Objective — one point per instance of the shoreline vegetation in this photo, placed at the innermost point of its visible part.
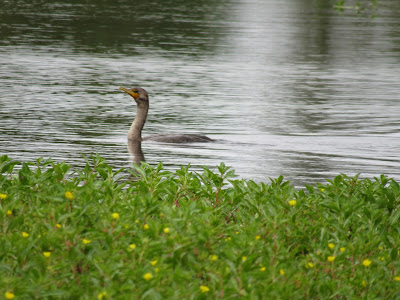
(97, 233)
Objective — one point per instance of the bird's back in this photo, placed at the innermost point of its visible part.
(178, 138)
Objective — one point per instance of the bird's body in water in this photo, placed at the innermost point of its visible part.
(135, 132)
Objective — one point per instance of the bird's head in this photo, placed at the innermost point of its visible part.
(140, 95)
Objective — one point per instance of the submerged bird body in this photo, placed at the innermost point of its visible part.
(135, 132)
(178, 138)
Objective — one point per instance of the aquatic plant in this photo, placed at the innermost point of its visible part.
(101, 233)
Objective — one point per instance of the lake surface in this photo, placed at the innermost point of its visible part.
(289, 88)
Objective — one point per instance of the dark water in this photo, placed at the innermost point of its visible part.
(289, 88)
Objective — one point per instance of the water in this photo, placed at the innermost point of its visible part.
(289, 88)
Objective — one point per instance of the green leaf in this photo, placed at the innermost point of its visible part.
(394, 218)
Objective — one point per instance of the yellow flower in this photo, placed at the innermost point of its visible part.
(69, 195)
(58, 225)
(147, 276)
(101, 295)
(309, 265)
(228, 239)
(86, 241)
(47, 254)
(237, 232)
(25, 234)
(146, 226)
(380, 248)
(9, 213)
(262, 269)
(9, 295)
(204, 289)
(153, 262)
(258, 237)
(126, 226)
(166, 230)
(367, 262)
(292, 202)
(281, 271)
(331, 246)
(115, 216)
(364, 284)
(331, 258)
(3, 196)
(214, 257)
(244, 258)
(137, 221)
(132, 246)
(321, 189)
(342, 249)
(397, 278)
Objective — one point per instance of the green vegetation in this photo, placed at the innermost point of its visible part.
(98, 233)
(356, 5)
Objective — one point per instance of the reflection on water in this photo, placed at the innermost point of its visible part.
(135, 149)
(285, 87)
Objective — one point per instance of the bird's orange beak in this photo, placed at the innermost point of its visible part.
(134, 94)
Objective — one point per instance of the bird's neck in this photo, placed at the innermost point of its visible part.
(135, 132)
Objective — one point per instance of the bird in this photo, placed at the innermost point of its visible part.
(141, 98)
